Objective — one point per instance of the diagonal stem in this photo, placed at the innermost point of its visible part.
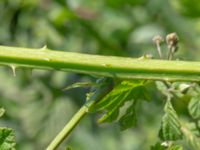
(99, 93)
(68, 128)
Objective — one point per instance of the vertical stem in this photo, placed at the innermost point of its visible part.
(172, 50)
(159, 50)
(170, 54)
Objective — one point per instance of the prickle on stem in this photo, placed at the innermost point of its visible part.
(13, 67)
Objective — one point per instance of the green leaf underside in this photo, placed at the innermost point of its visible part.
(7, 139)
(79, 85)
(170, 125)
(113, 102)
(2, 111)
(194, 107)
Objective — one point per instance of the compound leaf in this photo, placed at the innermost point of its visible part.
(170, 125)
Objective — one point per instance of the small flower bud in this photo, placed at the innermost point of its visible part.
(157, 39)
(172, 39)
(172, 42)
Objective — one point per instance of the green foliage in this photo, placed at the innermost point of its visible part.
(191, 139)
(129, 119)
(170, 126)
(190, 7)
(38, 108)
(7, 136)
(121, 3)
(175, 147)
(125, 91)
(7, 139)
(158, 146)
(194, 107)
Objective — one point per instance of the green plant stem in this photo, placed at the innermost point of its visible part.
(68, 128)
(107, 66)
(99, 93)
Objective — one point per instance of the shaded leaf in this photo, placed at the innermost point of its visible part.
(194, 107)
(123, 92)
(7, 139)
(129, 119)
(170, 126)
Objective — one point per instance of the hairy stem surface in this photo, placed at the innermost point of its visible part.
(107, 66)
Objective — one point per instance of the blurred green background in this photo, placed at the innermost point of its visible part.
(37, 107)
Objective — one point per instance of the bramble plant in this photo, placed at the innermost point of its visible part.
(122, 86)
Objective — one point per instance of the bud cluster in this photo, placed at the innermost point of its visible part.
(172, 44)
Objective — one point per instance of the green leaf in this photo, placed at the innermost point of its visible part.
(113, 108)
(175, 147)
(79, 85)
(129, 119)
(158, 146)
(191, 139)
(123, 92)
(194, 107)
(170, 126)
(2, 111)
(7, 139)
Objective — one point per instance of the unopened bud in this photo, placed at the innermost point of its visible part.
(157, 39)
(172, 39)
